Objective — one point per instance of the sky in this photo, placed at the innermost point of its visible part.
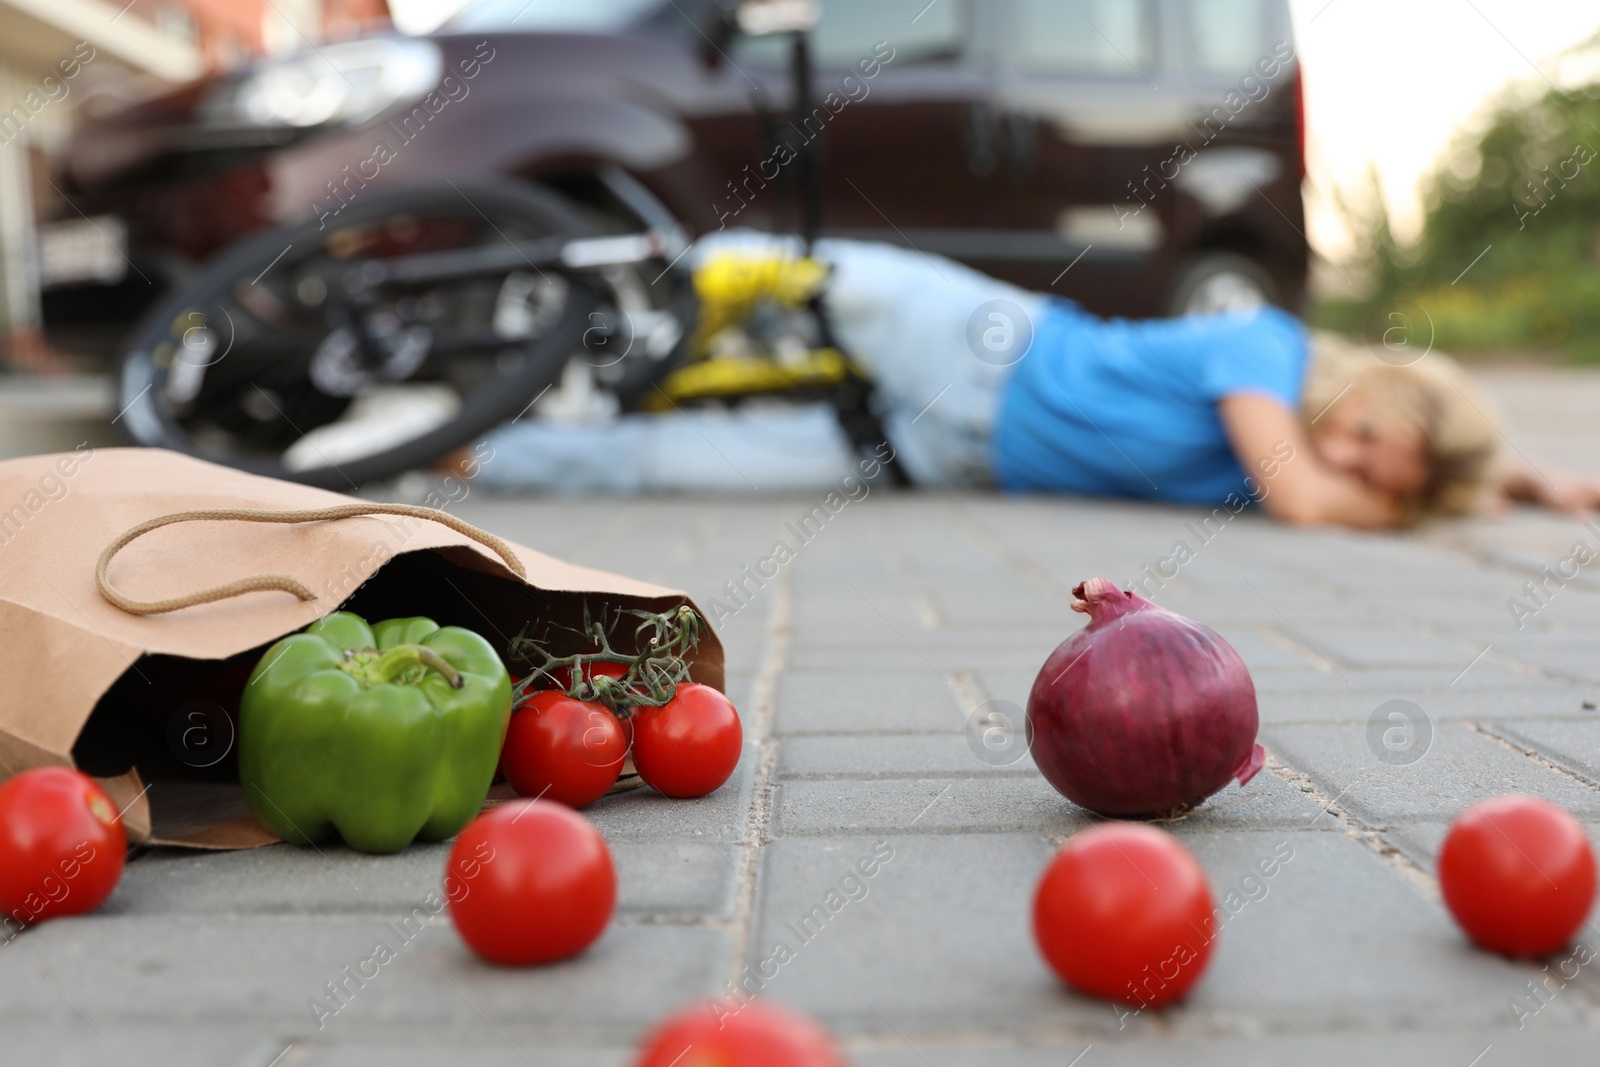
(1388, 84)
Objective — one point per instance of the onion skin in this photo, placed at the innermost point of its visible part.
(1142, 712)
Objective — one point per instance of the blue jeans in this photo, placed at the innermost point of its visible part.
(939, 340)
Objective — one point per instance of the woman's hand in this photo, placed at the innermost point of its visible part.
(1552, 490)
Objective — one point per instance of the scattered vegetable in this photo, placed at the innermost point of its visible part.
(541, 885)
(62, 845)
(1518, 875)
(1124, 912)
(684, 737)
(757, 1035)
(563, 749)
(1143, 711)
(690, 746)
(383, 733)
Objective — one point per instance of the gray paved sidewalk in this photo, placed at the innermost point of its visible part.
(856, 671)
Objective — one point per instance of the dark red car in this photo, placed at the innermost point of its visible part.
(1141, 156)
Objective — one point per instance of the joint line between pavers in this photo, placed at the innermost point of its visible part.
(1532, 755)
(1403, 866)
(971, 529)
(1422, 626)
(763, 701)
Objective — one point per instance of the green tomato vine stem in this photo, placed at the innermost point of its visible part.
(650, 677)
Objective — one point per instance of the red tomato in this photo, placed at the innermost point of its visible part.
(62, 845)
(1518, 874)
(1124, 912)
(563, 749)
(689, 746)
(530, 882)
(757, 1035)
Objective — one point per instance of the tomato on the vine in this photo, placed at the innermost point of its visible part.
(1123, 911)
(530, 882)
(757, 1035)
(62, 845)
(563, 749)
(689, 746)
(1518, 875)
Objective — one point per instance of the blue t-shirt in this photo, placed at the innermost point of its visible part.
(1113, 407)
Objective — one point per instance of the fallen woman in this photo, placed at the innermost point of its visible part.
(983, 384)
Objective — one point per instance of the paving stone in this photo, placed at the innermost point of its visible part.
(938, 805)
(991, 805)
(212, 970)
(936, 638)
(910, 654)
(1572, 743)
(1484, 610)
(862, 604)
(868, 702)
(1444, 1048)
(1380, 647)
(79, 1042)
(1421, 839)
(1270, 645)
(1397, 959)
(1484, 676)
(278, 880)
(1577, 613)
(1351, 705)
(645, 815)
(979, 606)
(654, 878)
(903, 756)
(939, 938)
(1567, 656)
(1459, 768)
(515, 1050)
(1216, 609)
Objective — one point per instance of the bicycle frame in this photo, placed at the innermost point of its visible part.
(826, 372)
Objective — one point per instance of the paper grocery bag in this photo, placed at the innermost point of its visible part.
(146, 701)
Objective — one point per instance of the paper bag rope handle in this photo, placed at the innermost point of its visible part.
(281, 582)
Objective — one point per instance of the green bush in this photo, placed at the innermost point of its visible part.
(1527, 189)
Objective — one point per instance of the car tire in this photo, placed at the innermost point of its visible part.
(1221, 281)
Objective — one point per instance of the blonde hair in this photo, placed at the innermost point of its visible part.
(1432, 394)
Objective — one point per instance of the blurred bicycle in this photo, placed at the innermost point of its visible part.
(341, 354)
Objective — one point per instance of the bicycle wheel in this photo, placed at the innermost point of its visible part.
(281, 361)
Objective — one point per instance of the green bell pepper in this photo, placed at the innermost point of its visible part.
(383, 733)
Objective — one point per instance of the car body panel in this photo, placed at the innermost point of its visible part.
(1056, 179)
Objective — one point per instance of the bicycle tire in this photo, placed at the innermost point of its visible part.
(144, 421)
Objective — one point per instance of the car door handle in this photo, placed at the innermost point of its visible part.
(992, 135)
(1021, 143)
(982, 140)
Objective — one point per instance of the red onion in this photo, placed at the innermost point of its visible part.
(1143, 711)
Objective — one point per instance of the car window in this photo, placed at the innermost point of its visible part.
(1112, 38)
(850, 30)
(553, 16)
(1229, 35)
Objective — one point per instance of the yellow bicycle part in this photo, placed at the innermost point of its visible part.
(722, 378)
(729, 284)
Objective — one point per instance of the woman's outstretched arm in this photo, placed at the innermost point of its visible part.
(1301, 490)
(1552, 489)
